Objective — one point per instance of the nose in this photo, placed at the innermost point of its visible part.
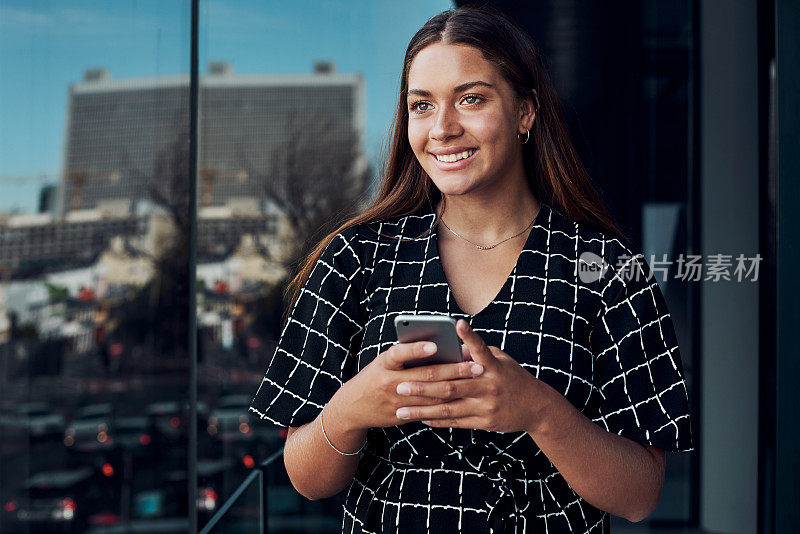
(445, 125)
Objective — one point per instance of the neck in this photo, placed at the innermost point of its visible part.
(489, 217)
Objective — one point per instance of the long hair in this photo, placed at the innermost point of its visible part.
(552, 166)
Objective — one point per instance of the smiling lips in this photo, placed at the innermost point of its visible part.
(454, 159)
(451, 158)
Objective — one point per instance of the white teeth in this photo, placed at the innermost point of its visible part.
(450, 158)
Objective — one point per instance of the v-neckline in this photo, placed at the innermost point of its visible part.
(530, 244)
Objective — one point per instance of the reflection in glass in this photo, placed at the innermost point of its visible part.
(93, 264)
(280, 155)
(295, 101)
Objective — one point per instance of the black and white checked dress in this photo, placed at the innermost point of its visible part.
(607, 345)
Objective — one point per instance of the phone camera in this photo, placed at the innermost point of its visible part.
(405, 323)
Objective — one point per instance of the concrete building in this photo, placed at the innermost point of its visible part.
(32, 244)
(122, 135)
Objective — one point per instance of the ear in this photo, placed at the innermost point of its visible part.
(527, 111)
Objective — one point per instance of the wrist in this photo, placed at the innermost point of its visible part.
(339, 421)
(334, 447)
(540, 408)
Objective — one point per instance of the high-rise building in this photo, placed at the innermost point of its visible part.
(123, 136)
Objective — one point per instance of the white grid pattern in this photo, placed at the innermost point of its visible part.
(608, 346)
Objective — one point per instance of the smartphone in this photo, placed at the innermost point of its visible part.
(440, 329)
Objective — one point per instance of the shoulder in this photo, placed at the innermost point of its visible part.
(408, 225)
(384, 234)
(341, 257)
(588, 237)
(601, 257)
(360, 244)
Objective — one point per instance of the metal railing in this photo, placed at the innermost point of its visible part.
(266, 502)
(256, 477)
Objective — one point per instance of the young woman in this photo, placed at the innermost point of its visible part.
(572, 386)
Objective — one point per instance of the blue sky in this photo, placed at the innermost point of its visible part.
(46, 45)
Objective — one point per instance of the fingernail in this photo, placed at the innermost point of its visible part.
(425, 422)
(403, 413)
(429, 348)
(477, 369)
(403, 389)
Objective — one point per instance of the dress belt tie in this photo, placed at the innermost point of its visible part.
(504, 505)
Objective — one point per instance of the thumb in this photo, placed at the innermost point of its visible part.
(475, 345)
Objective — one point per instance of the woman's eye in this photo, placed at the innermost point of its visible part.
(419, 107)
(472, 99)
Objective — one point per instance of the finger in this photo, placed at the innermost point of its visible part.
(465, 355)
(477, 348)
(461, 422)
(397, 355)
(448, 410)
(414, 400)
(440, 371)
(447, 389)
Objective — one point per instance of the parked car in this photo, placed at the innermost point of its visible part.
(171, 418)
(169, 497)
(60, 501)
(136, 435)
(230, 420)
(34, 419)
(88, 430)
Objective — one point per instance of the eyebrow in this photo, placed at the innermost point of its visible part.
(456, 89)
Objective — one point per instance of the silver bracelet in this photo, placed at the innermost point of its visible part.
(331, 444)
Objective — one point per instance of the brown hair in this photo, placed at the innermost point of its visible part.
(552, 166)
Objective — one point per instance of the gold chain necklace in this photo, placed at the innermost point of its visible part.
(482, 247)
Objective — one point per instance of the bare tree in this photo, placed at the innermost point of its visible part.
(167, 187)
(316, 177)
(157, 316)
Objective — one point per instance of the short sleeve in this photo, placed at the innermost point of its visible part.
(315, 348)
(637, 364)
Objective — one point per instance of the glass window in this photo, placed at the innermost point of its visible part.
(296, 100)
(94, 123)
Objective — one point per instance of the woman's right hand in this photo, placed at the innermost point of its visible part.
(367, 400)
(371, 396)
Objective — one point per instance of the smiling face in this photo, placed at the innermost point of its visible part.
(463, 119)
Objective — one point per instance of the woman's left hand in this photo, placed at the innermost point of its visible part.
(504, 397)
